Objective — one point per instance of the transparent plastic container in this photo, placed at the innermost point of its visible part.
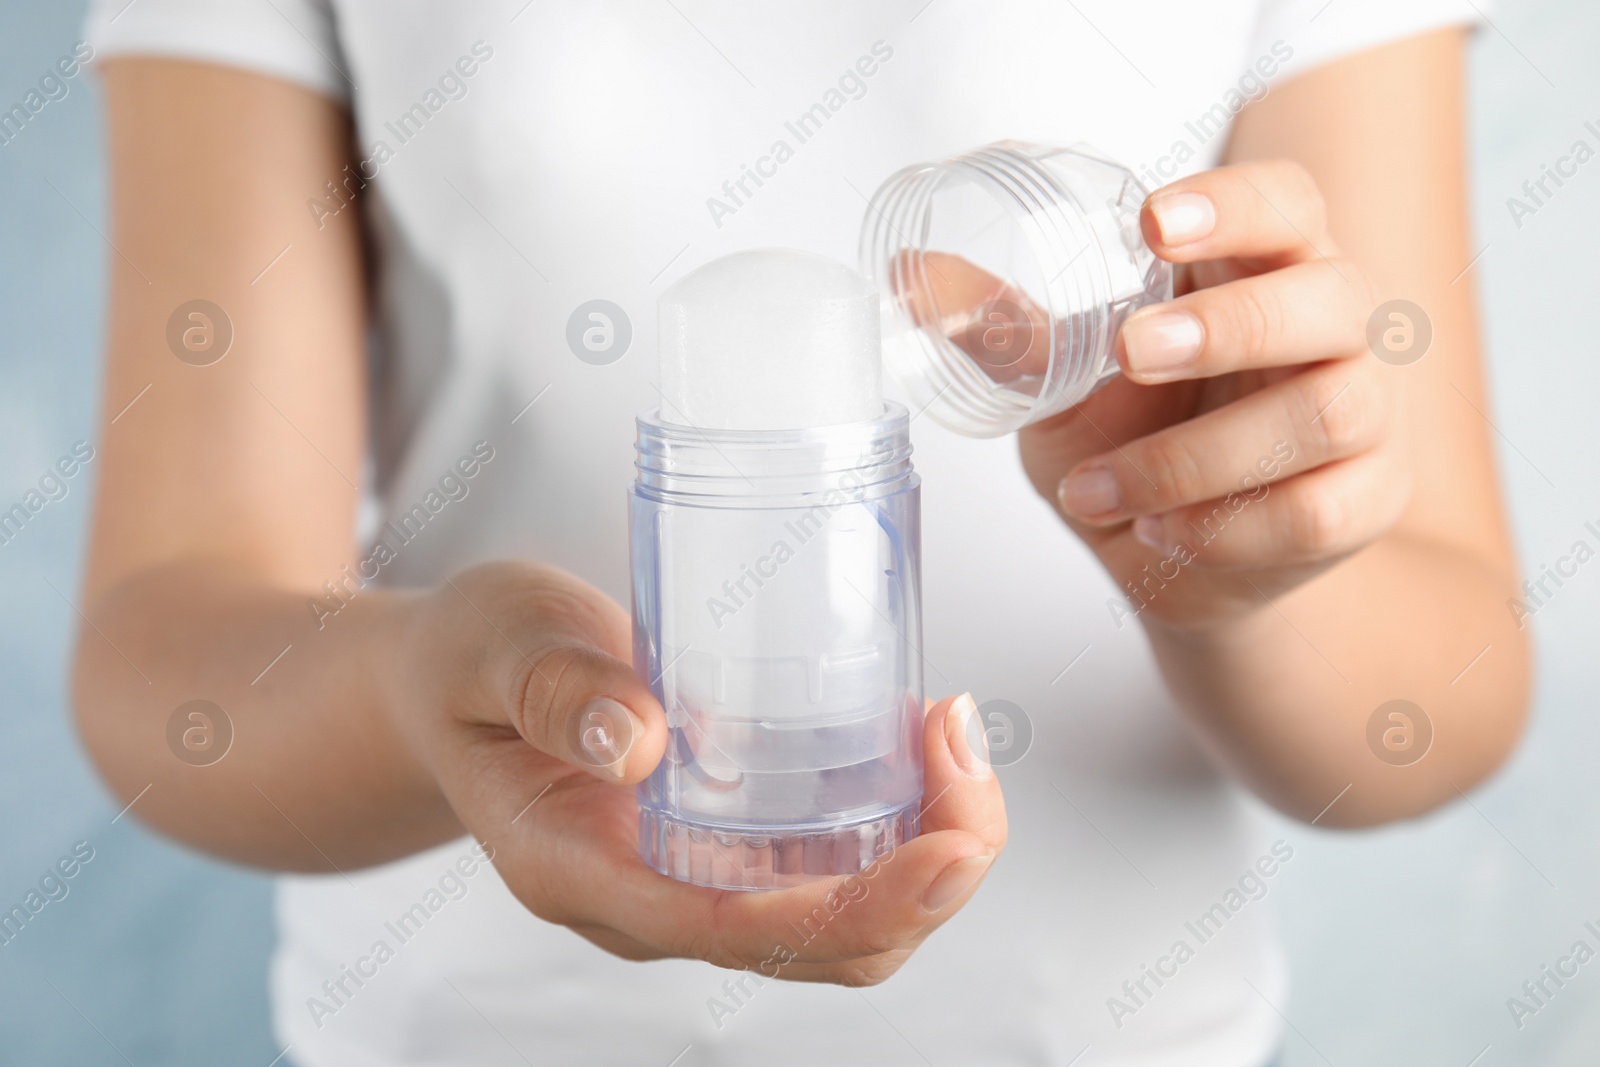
(777, 604)
(777, 617)
(1057, 229)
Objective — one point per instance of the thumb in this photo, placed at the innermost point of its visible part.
(563, 684)
(585, 707)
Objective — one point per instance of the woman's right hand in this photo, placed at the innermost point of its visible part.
(224, 501)
(513, 688)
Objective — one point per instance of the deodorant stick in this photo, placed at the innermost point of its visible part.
(776, 580)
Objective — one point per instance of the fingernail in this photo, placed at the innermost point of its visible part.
(1089, 492)
(605, 732)
(1159, 343)
(955, 880)
(1147, 530)
(957, 734)
(1183, 218)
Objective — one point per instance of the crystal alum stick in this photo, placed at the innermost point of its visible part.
(776, 580)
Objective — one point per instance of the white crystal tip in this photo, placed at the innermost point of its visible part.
(770, 339)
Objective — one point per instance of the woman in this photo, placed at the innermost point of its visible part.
(465, 179)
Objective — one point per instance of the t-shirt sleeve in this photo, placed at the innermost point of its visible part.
(1323, 30)
(296, 40)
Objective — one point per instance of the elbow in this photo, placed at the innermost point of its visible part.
(1415, 761)
(101, 707)
(1384, 796)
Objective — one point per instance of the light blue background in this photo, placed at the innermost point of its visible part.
(1406, 942)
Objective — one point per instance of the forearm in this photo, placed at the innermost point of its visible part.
(1282, 696)
(317, 777)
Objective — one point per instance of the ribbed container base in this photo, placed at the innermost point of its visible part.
(722, 859)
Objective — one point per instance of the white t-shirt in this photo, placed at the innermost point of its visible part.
(530, 157)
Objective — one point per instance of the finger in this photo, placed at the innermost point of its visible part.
(885, 907)
(1270, 209)
(554, 662)
(1328, 412)
(1312, 518)
(960, 790)
(856, 973)
(961, 799)
(855, 929)
(888, 907)
(1302, 313)
(587, 708)
(1005, 332)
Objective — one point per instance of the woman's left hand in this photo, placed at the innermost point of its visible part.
(1250, 443)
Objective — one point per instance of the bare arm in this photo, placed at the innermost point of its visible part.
(226, 500)
(1383, 135)
(226, 494)
(1380, 566)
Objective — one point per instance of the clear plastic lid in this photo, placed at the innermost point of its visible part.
(1005, 274)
